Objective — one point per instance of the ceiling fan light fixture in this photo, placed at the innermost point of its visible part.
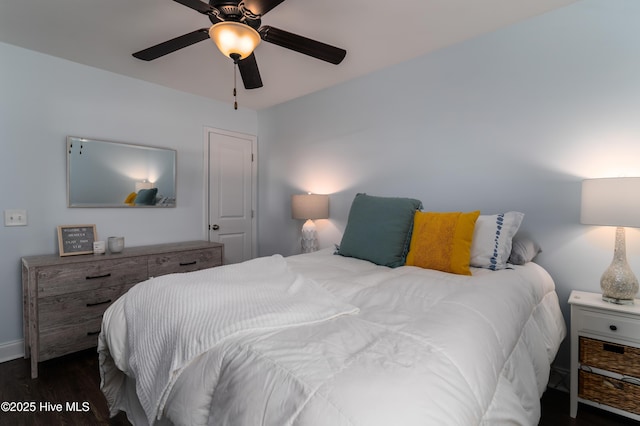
(234, 38)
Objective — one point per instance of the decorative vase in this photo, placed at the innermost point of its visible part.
(116, 244)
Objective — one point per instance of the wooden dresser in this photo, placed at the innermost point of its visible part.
(64, 297)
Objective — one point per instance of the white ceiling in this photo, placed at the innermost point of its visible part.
(104, 34)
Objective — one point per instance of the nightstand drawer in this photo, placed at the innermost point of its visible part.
(61, 279)
(608, 391)
(186, 261)
(609, 356)
(615, 326)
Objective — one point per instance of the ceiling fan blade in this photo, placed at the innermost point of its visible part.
(260, 7)
(197, 5)
(154, 52)
(302, 44)
(249, 71)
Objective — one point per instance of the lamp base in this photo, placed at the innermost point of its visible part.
(309, 237)
(618, 283)
(618, 301)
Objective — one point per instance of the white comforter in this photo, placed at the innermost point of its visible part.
(426, 348)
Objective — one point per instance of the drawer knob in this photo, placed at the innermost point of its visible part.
(613, 328)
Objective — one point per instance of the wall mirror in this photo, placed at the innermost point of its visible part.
(113, 174)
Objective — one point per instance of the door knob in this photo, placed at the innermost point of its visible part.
(215, 227)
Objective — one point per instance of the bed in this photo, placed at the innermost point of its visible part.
(334, 339)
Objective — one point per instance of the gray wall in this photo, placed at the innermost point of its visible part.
(513, 120)
(44, 99)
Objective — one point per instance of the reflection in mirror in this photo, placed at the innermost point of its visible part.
(113, 174)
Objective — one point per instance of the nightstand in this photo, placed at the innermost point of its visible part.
(605, 354)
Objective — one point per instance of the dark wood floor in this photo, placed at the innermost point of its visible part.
(555, 412)
(75, 378)
(69, 379)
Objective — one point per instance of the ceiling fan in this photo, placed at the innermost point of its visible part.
(237, 30)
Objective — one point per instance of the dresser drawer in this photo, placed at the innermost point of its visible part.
(605, 390)
(609, 356)
(186, 261)
(614, 326)
(70, 338)
(77, 308)
(61, 279)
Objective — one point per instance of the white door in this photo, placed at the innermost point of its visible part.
(232, 183)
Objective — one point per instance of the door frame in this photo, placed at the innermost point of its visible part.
(254, 182)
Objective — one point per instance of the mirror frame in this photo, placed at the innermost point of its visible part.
(69, 143)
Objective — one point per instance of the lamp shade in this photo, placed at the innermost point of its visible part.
(234, 38)
(310, 206)
(611, 202)
(144, 184)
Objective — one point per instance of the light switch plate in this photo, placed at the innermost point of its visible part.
(15, 217)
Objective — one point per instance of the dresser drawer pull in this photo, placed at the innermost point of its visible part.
(613, 328)
(98, 303)
(93, 333)
(189, 263)
(613, 348)
(99, 276)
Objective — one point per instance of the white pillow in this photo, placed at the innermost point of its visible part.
(492, 237)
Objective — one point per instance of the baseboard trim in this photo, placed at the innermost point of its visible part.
(11, 350)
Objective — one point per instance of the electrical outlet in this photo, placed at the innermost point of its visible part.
(15, 218)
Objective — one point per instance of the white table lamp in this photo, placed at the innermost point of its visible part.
(614, 202)
(309, 207)
(143, 184)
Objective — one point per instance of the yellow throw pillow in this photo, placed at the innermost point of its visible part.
(130, 198)
(442, 241)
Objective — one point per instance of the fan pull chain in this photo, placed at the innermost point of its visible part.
(235, 92)
(235, 58)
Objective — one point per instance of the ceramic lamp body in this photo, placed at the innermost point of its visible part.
(309, 237)
(619, 284)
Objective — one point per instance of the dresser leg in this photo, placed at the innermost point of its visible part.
(34, 368)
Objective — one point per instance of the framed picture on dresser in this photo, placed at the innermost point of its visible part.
(76, 239)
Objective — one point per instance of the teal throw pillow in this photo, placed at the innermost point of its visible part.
(146, 197)
(379, 229)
